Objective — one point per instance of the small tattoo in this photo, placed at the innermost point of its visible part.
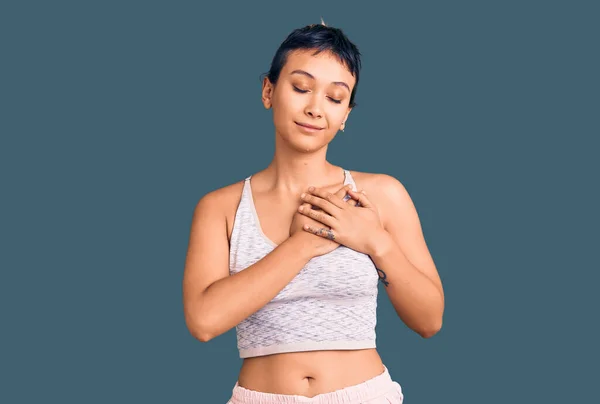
(383, 279)
(328, 233)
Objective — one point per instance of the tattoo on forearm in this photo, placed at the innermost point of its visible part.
(383, 279)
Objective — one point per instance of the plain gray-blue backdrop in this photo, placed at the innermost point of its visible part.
(116, 117)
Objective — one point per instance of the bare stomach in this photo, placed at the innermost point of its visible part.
(309, 373)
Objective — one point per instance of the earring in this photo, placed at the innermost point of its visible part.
(343, 126)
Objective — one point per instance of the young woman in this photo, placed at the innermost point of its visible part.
(291, 255)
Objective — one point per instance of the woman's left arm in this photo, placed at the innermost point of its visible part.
(401, 255)
(387, 228)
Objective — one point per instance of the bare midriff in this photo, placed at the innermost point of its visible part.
(309, 373)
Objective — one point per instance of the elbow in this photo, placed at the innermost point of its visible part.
(203, 337)
(432, 326)
(431, 330)
(199, 319)
(200, 333)
(198, 329)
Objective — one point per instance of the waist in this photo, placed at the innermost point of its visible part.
(309, 373)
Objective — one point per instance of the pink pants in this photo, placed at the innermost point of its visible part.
(378, 390)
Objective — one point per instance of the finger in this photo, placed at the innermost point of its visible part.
(308, 206)
(351, 201)
(325, 200)
(343, 194)
(320, 231)
(361, 197)
(318, 215)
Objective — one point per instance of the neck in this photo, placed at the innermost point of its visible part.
(292, 171)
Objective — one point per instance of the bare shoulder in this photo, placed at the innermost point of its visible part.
(224, 196)
(373, 180)
(222, 201)
(386, 192)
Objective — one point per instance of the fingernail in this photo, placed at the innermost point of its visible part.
(311, 188)
(303, 195)
(301, 208)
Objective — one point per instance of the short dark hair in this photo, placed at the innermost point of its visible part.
(321, 38)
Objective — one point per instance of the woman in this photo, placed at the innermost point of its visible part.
(291, 256)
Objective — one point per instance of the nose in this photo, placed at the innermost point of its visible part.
(313, 108)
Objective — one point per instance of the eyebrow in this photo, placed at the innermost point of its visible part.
(307, 74)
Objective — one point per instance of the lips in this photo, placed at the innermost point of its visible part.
(308, 126)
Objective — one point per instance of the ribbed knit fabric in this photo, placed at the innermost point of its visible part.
(330, 304)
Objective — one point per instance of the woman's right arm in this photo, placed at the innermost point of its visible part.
(214, 302)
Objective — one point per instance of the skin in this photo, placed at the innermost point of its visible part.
(386, 226)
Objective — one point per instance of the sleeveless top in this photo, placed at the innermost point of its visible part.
(329, 305)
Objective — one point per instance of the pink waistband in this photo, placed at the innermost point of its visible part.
(371, 389)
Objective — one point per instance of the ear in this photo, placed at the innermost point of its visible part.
(347, 113)
(267, 93)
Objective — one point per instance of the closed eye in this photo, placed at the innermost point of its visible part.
(299, 91)
(306, 91)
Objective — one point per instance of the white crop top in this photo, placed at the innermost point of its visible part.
(329, 305)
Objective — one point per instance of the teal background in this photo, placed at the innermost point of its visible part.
(116, 117)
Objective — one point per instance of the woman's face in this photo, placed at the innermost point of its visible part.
(311, 90)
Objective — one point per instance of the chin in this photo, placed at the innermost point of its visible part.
(307, 147)
(303, 142)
